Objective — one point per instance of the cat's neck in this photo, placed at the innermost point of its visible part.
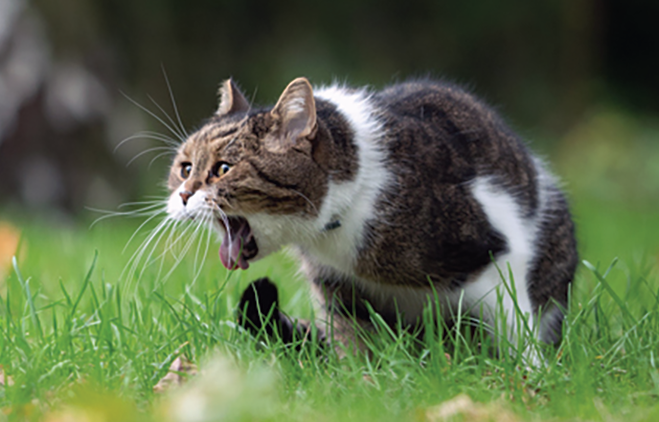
(350, 204)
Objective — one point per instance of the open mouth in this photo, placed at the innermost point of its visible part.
(238, 244)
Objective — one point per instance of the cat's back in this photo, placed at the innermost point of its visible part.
(424, 98)
(407, 97)
(452, 111)
(442, 133)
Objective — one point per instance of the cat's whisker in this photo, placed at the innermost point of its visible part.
(152, 209)
(234, 139)
(200, 225)
(155, 242)
(306, 199)
(178, 255)
(156, 197)
(169, 151)
(181, 133)
(136, 256)
(131, 267)
(149, 135)
(188, 232)
(162, 154)
(148, 261)
(185, 250)
(218, 205)
(141, 212)
(225, 220)
(198, 230)
(140, 228)
(131, 215)
(170, 243)
(161, 257)
(160, 137)
(131, 204)
(173, 241)
(199, 266)
(171, 228)
(155, 116)
(209, 233)
(171, 96)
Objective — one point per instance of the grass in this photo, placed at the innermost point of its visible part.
(77, 344)
(71, 338)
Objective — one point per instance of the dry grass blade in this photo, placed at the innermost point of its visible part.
(462, 408)
(5, 380)
(179, 371)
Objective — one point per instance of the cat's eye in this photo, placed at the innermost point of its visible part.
(220, 169)
(186, 168)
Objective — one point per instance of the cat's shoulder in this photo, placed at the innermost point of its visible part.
(413, 97)
(423, 86)
(418, 92)
(420, 87)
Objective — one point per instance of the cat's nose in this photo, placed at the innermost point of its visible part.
(185, 195)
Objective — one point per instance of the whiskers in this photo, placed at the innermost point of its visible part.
(175, 127)
(225, 221)
(165, 241)
(165, 246)
(149, 209)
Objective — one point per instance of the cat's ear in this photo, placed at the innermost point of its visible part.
(231, 99)
(295, 112)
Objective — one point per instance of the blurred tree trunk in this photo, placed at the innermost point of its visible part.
(53, 149)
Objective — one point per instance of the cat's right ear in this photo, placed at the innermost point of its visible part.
(295, 113)
(231, 99)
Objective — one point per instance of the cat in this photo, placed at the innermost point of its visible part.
(392, 199)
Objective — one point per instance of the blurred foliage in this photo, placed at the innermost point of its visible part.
(620, 152)
(516, 53)
(548, 65)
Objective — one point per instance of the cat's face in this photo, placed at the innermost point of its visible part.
(251, 175)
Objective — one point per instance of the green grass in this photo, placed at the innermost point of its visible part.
(71, 338)
(79, 344)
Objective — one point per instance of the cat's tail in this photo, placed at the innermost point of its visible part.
(259, 313)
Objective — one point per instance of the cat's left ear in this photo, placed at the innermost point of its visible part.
(296, 112)
(231, 99)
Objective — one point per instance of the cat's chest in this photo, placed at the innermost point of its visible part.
(336, 249)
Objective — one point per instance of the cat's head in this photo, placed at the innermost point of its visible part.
(254, 175)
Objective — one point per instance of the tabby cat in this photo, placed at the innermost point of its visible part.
(395, 199)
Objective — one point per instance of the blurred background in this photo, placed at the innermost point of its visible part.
(579, 79)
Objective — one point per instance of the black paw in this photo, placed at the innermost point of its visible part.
(258, 310)
(259, 313)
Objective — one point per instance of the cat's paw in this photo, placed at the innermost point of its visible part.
(259, 314)
(258, 310)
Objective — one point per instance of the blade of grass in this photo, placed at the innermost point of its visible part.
(30, 300)
(85, 283)
(602, 279)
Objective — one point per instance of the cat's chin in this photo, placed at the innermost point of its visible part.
(239, 244)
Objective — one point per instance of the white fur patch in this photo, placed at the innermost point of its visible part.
(352, 202)
(196, 206)
(487, 290)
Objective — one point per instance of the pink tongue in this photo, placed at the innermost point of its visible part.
(230, 254)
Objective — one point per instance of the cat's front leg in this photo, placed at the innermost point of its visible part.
(341, 323)
(260, 314)
(344, 318)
